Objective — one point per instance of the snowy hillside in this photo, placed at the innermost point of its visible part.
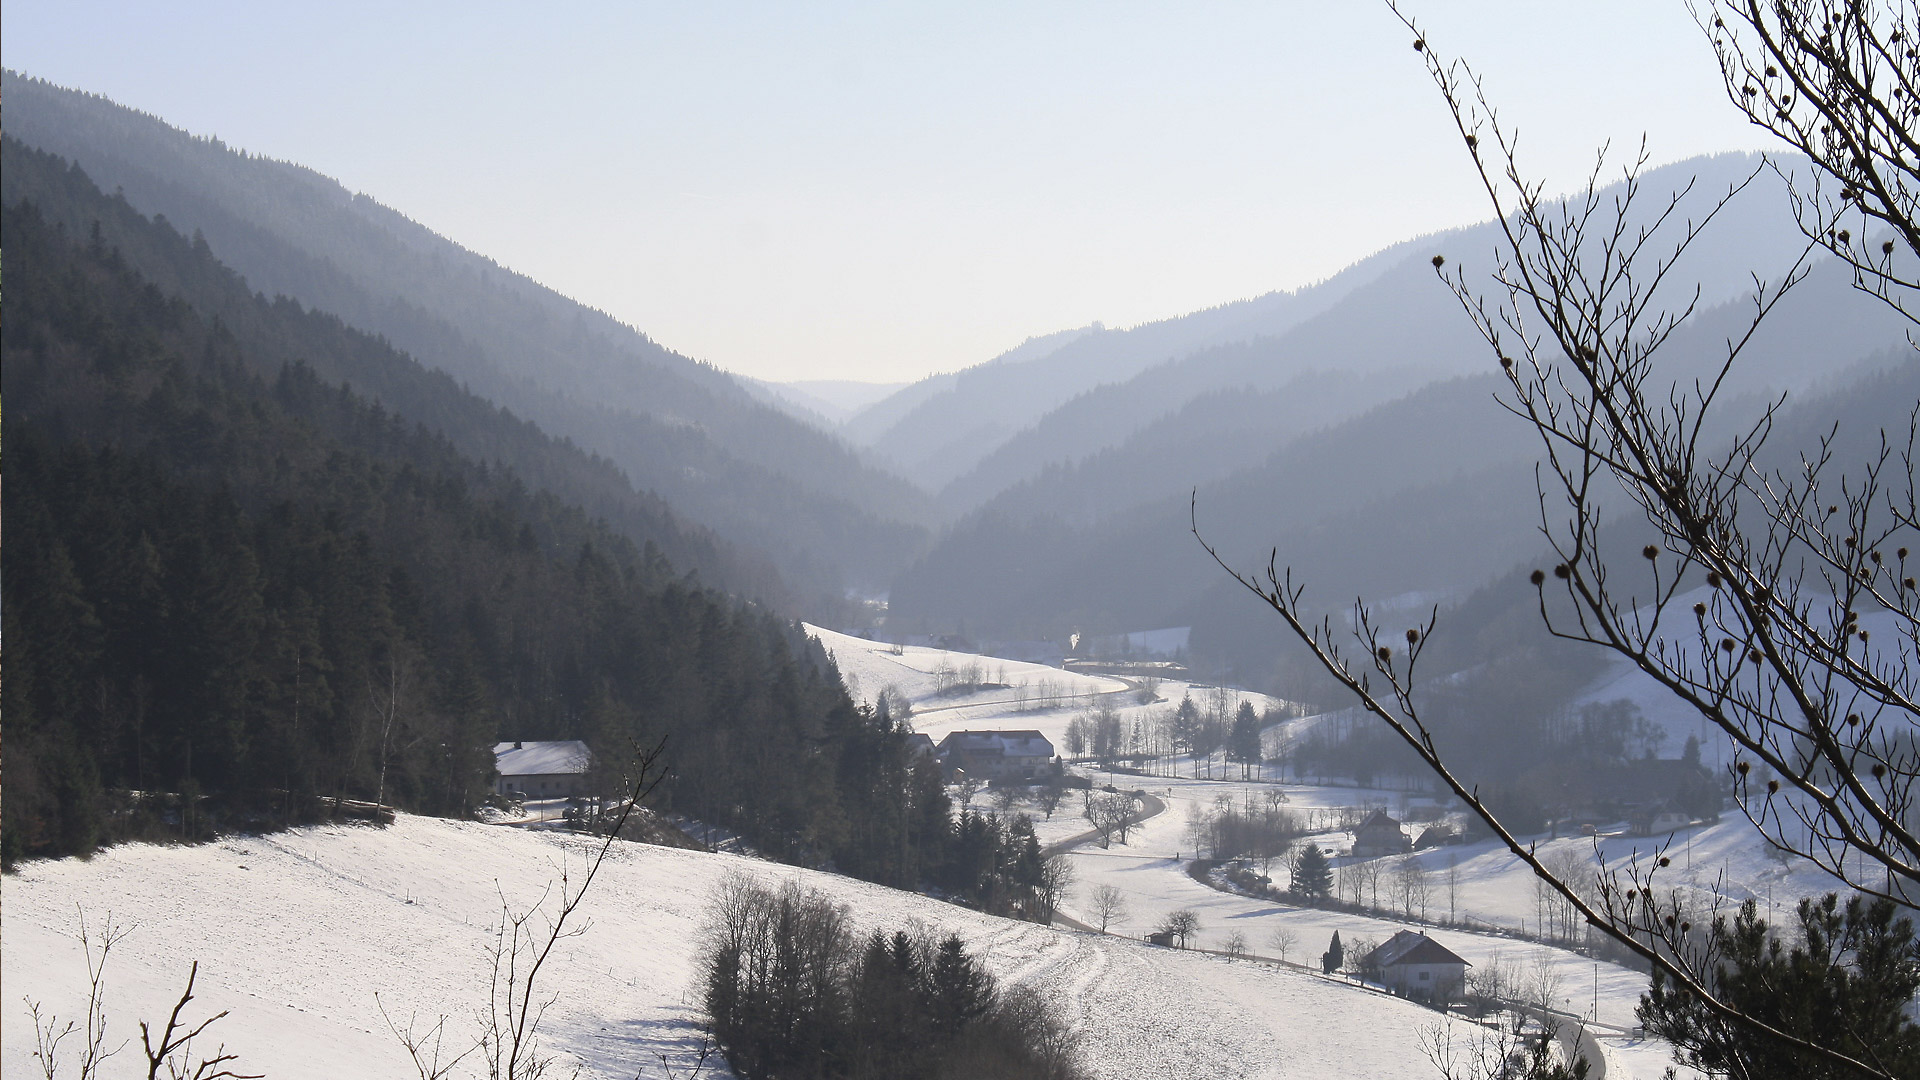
(296, 934)
(872, 666)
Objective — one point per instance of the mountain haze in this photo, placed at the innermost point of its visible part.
(1361, 445)
(681, 428)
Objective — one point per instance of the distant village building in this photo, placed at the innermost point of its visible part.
(998, 755)
(1379, 835)
(1414, 965)
(1167, 644)
(1436, 836)
(541, 770)
(920, 746)
(1657, 820)
(1031, 652)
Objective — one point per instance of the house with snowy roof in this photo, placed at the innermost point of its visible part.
(541, 770)
(1379, 835)
(1414, 965)
(998, 755)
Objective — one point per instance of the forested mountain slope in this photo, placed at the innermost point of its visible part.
(1019, 569)
(281, 331)
(677, 427)
(959, 419)
(1392, 325)
(1082, 520)
(235, 582)
(1425, 498)
(975, 433)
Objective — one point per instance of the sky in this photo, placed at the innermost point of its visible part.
(878, 192)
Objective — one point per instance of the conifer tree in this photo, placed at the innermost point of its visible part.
(1312, 875)
(1847, 984)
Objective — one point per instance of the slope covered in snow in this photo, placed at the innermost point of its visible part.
(305, 935)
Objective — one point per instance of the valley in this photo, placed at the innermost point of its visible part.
(1466, 640)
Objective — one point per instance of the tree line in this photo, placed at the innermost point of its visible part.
(237, 591)
(791, 990)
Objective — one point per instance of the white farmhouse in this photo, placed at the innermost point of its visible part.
(541, 770)
(1414, 965)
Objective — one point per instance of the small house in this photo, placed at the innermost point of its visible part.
(1379, 835)
(998, 755)
(1657, 820)
(541, 770)
(1414, 965)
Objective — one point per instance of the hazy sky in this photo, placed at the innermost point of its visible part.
(879, 191)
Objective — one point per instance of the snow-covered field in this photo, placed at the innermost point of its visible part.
(297, 933)
(1722, 864)
(871, 666)
(305, 935)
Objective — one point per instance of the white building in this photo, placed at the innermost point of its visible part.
(541, 770)
(1414, 965)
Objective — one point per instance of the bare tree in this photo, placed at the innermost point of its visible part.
(1235, 946)
(173, 1050)
(1183, 925)
(1049, 794)
(1283, 938)
(1834, 80)
(388, 703)
(1366, 876)
(965, 789)
(1056, 876)
(1471, 1051)
(523, 942)
(1111, 812)
(1749, 608)
(49, 1033)
(1107, 905)
(1412, 888)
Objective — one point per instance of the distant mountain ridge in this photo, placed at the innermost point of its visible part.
(681, 428)
(957, 420)
(1364, 444)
